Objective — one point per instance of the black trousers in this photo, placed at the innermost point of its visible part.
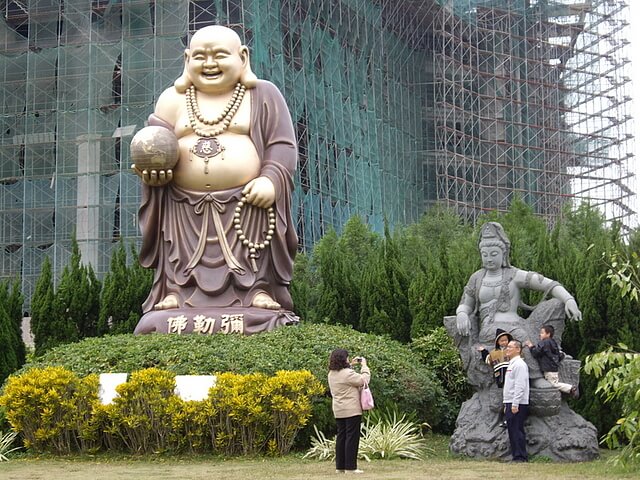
(347, 442)
(517, 436)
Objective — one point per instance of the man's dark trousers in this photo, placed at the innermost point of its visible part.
(515, 427)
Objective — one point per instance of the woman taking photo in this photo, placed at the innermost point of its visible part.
(345, 384)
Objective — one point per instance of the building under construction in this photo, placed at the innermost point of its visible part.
(397, 105)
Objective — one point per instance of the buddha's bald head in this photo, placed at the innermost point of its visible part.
(216, 33)
(215, 38)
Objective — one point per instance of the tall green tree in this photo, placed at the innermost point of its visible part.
(8, 358)
(77, 299)
(12, 352)
(357, 247)
(333, 280)
(140, 282)
(385, 306)
(120, 302)
(13, 301)
(114, 305)
(439, 254)
(43, 323)
(302, 291)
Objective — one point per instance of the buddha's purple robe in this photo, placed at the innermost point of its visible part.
(181, 240)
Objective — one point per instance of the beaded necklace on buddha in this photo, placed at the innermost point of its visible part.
(207, 145)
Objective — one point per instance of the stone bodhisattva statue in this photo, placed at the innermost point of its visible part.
(217, 227)
(490, 302)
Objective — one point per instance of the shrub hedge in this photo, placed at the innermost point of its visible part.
(57, 411)
(438, 352)
(398, 379)
(50, 408)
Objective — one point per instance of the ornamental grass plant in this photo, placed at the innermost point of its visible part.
(6, 442)
(388, 435)
(383, 435)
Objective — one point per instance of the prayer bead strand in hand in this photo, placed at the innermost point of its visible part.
(253, 245)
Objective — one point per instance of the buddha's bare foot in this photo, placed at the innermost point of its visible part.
(169, 302)
(262, 300)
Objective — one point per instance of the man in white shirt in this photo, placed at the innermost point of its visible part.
(515, 397)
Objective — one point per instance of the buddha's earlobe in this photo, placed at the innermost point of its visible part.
(247, 78)
(183, 82)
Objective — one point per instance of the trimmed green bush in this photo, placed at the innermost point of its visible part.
(397, 377)
(438, 352)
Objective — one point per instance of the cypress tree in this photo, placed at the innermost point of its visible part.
(440, 253)
(385, 307)
(13, 300)
(356, 249)
(330, 265)
(8, 358)
(139, 286)
(12, 350)
(419, 302)
(115, 298)
(77, 299)
(302, 286)
(43, 323)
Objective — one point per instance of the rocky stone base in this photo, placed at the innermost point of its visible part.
(565, 436)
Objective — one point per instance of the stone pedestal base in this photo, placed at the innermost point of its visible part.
(565, 436)
(213, 320)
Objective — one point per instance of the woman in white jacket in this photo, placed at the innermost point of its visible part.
(345, 384)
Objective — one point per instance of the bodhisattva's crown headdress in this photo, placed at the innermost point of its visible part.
(492, 234)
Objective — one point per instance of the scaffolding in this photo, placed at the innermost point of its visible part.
(396, 107)
(532, 98)
(81, 76)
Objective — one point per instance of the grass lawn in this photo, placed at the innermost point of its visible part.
(440, 464)
(292, 467)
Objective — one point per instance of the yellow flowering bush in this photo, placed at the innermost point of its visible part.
(192, 425)
(257, 413)
(243, 420)
(49, 407)
(288, 396)
(56, 411)
(140, 415)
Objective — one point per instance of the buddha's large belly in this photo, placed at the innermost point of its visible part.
(202, 167)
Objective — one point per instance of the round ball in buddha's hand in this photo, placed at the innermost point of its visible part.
(155, 148)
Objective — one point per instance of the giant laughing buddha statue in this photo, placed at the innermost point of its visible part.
(217, 226)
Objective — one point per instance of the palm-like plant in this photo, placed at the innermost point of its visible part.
(322, 448)
(382, 435)
(6, 440)
(387, 436)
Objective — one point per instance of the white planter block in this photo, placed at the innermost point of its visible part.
(194, 387)
(108, 383)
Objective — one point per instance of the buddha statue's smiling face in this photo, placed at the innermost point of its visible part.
(492, 257)
(216, 60)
